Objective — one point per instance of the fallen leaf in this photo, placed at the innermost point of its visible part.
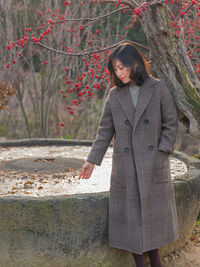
(11, 192)
(29, 182)
(40, 187)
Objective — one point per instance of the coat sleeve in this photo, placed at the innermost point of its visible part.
(104, 135)
(169, 120)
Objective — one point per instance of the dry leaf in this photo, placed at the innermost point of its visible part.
(11, 192)
(40, 187)
(29, 182)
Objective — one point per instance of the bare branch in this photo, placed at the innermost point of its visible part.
(127, 3)
(134, 4)
(88, 52)
(179, 15)
(93, 19)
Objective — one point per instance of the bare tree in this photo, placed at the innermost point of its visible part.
(172, 47)
(42, 78)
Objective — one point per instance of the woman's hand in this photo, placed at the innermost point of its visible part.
(87, 170)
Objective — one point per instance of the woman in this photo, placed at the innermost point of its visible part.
(141, 115)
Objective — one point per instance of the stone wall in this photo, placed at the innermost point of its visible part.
(71, 231)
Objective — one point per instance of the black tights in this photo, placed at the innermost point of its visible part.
(153, 256)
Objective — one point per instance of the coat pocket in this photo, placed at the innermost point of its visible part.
(118, 173)
(161, 170)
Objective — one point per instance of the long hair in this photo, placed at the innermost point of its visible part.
(129, 57)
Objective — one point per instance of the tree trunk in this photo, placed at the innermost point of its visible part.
(167, 53)
(20, 98)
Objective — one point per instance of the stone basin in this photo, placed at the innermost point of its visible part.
(53, 170)
(71, 229)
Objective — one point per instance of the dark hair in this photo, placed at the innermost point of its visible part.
(130, 57)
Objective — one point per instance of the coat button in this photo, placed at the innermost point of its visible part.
(146, 121)
(127, 122)
(126, 149)
(151, 147)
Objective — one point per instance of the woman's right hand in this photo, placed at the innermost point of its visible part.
(87, 170)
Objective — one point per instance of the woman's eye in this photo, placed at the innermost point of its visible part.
(119, 68)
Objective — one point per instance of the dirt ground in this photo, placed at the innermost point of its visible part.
(189, 256)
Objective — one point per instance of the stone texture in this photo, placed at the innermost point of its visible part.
(47, 164)
(51, 231)
(71, 231)
(185, 142)
(45, 142)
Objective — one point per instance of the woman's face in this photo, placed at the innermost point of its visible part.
(122, 72)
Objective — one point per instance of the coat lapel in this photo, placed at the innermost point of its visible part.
(126, 103)
(125, 100)
(145, 94)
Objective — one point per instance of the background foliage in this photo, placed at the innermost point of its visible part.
(40, 105)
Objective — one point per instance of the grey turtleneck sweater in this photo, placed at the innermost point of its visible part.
(134, 90)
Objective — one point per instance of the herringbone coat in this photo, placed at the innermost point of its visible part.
(142, 210)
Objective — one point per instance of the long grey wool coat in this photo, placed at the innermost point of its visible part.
(142, 210)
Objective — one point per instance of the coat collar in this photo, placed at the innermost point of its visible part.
(124, 98)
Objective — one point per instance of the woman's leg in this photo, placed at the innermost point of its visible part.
(154, 258)
(139, 260)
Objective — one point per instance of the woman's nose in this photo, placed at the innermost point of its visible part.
(119, 73)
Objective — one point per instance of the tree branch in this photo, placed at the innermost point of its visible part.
(127, 3)
(179, 15)
(93, 19)
(88, 52)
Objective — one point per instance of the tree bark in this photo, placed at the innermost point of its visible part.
(167, 53)
(20, 98)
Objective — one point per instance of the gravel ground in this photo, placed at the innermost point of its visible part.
(189, 256)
